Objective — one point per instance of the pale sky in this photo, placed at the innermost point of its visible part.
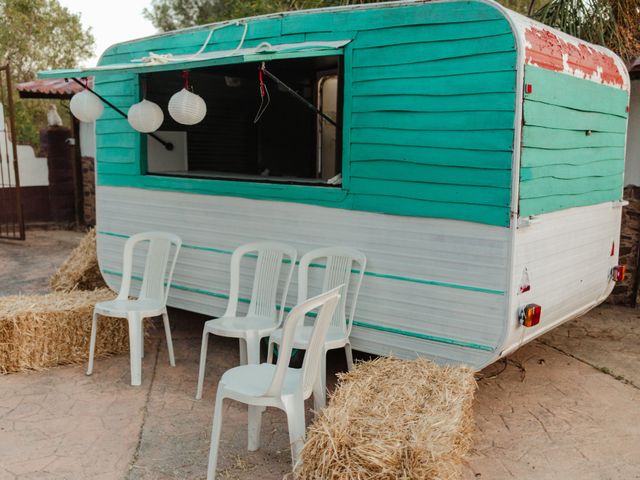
(111, 21)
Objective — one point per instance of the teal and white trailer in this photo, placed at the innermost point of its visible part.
(477, 161)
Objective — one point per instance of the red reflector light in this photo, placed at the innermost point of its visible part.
(528, 88)
(617, 273)
(530, 315)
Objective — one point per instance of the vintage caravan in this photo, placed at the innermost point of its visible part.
(474, 155)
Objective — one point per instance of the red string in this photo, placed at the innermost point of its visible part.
(261, 84)
(185, 76)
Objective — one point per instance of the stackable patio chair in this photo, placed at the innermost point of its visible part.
(267, 385)
(342, 266)
(274, 263)
(161, 256)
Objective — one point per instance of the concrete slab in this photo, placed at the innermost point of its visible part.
(551, 416)
(608, 338)
(25, 266)
(63, 425)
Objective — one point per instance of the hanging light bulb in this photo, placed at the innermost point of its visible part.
(186, 107)
(86, 106)
(145, 116)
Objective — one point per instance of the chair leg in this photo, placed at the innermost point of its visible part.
(323, 372)
(141, 337)
(294, 409)
(167, 333)
(92, 343)
(215, 436)
(253, 350)
(243, 351)
(255, 424)
(134, 349)
(349, 355)
(270, 351)
(319, 396)
(203, 363)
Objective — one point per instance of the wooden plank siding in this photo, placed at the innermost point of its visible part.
(573, 142)
(429, 108)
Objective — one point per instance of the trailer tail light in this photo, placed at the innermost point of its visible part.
(617, 273)
(530, 315)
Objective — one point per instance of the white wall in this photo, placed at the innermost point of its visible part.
(33, 170)
(88, 139)
(159, 159)
(632, 161)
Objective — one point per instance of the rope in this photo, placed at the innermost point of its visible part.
(162, 59)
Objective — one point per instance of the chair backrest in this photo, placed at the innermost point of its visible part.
(326, 304)
(341, 263)
(270, 257)
(160, 263)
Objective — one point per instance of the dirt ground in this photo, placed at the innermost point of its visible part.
(564, 407)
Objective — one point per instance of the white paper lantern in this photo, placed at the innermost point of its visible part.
(187, 108)
(86, 107)
(145, 116)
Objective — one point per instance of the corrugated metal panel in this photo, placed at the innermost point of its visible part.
(433, 280)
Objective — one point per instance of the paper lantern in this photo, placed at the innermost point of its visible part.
(145, 116)
(187, 108)
(86, 106)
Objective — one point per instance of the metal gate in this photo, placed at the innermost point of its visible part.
(11, 219)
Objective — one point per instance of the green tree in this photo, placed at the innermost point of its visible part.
(39, 35)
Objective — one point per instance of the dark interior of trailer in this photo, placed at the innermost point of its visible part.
(289, 142)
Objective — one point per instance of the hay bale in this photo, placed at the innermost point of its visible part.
(393, 419)
(42, 331)
(80, 270)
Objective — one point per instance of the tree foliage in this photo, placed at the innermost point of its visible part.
(39, 35)
(173, 14)
(612, 23)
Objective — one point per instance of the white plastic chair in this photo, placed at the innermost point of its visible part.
(262, 317)
(152, 301)
(267, 385)
(338, 269)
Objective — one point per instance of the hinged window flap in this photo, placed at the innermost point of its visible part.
(161, 62)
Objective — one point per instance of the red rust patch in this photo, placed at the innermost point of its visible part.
(546, 50)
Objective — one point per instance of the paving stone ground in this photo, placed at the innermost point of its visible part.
(564, 407)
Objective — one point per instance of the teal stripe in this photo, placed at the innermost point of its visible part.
(424, 336)
(432, 282)
(388, 276)
(356, 323)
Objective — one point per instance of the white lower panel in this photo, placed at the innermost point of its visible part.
(433, 287)
(567, 255)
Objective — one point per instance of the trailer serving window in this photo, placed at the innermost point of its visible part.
(282, 133)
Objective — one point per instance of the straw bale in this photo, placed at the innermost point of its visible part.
(41, 331)
(392, 419)
(80, 270)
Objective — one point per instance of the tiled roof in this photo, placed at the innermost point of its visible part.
(49, 88)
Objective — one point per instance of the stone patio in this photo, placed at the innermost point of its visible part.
(564, 407)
